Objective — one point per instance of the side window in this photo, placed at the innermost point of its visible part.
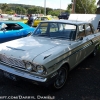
(98, 28)
(45, 18)
(88, 29)
(67, 30)
(43, 28)
(11, 26)
(81, 32)
(61, 27)
(42, 18)
(38, 18)
(53, 27)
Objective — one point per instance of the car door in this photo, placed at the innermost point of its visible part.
(89, 37)
(6, 35)
(80, 43)
(16, 30)
(77, 46)
(12, 31)
(37, 21)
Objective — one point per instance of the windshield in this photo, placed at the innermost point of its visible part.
(56, 30)
(3, 25)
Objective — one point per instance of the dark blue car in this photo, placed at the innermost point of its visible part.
(10, 30)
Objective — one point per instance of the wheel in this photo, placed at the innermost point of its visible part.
(94, 53)
(61, 79)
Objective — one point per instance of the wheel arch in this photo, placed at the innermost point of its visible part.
(66, 64)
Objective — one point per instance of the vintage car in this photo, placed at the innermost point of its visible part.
(39, 19)
(10, 30)
(47, 56)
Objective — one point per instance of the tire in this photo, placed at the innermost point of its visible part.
(61, 78)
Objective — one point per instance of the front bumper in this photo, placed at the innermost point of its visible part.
(24, 75)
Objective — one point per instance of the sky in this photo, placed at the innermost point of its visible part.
(54, 4)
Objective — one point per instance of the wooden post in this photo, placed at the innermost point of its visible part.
(73, 6)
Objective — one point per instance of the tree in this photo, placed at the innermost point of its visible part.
(27, 9)
(85, 6)
(0, 11)
(69, 8)
(32, 10)
(18, 10)
(55, 12)
(98, 9)
(98, 3)
(48, 10)
(4, 7)
(23, 11)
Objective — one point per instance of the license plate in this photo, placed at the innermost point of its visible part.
(10, 76)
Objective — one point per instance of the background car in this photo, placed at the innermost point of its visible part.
(39, 19)
(10, 30)
(64, 16)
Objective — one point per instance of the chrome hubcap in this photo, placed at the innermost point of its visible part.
(61, 78)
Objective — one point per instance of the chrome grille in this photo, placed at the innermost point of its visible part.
(11, 61)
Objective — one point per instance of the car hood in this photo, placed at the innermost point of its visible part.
(28, 47)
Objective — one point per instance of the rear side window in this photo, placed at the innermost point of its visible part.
(88, 29)
(53, 27)
(81, 32)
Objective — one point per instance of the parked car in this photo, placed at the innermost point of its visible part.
(39, 19)
(47, 56)
(10, 30)
(64, 16)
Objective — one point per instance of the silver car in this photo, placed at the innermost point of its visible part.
(47, 56)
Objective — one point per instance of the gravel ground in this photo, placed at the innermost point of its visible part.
(83, 84)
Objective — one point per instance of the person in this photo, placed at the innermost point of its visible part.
(30, 20)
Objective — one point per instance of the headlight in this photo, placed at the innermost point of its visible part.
(40, 69)
(35, 68)
(29, 66)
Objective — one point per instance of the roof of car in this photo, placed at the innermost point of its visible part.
(10, 22)
(15, 22)
(67, 21)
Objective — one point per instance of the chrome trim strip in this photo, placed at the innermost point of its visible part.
(22, 74)
(82, 47)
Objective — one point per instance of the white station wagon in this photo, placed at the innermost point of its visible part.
(47, 56)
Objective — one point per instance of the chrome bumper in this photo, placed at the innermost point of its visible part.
(22, 74)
